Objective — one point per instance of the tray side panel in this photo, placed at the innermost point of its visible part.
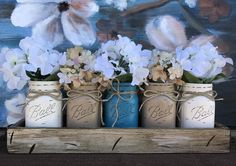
(20, 140)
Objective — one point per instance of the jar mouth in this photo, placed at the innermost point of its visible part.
(195, 85)
(123, 84)
(43, 82)
(160, 84)
(192, 87)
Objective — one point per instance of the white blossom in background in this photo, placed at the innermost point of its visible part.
(13, 68)
(166, 33)
(52, 20)
(123, 56)
(15, 108)
(191, 3)
(119, 4)
(202, 61)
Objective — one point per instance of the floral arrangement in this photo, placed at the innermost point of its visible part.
(79, 70)
(124, 60)
(164, 68)
(30, 62)
(197, 57)
(201, 63)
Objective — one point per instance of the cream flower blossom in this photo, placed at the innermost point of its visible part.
(53, 19)
(80, 70)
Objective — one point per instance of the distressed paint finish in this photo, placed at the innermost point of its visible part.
(133, 26)
(20, 140)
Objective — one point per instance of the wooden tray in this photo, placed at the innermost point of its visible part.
(25, 140)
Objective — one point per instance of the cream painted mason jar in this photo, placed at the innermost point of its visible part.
(159, 106)
(43, 105)
(84, 107)
(197, 106)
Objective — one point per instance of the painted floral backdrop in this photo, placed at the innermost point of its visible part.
(216, 17)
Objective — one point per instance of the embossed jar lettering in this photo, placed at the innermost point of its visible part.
(44, 104)
(121, 110)
(84, 107)
(159, 106)
(197, 106)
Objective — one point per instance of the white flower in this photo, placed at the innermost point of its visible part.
(175, 72)
(166, 33)
(123, 56)
(13, 68)
(191, 3)
(88, 59)
(139, 75)
(119, 4)
(39, 57)
(202, 61)
(53, 19)
(104, 66)
(64, 78)
(15, 108)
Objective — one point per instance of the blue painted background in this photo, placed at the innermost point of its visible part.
(134, 26)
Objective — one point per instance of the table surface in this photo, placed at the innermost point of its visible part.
(115, 159)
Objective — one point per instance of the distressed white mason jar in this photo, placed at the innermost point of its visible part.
(198, 111)
(159, 106)
(43, 105)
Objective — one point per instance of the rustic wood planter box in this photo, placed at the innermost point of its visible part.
(23, 140)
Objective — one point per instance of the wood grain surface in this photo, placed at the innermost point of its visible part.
(22, 140)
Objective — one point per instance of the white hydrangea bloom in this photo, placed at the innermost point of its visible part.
(123, 56)
(48, 61)
(14, 106)
(64, 78)
(202, 61)
(191, 3)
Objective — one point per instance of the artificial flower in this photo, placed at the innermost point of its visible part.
(157, 72)
(175, 72)
(15, 108)
(164, 67)
(122, 56)
(79, 69)
(202, 61)
(166, 33)
(119, 4)
(40, 58)
(53, 19)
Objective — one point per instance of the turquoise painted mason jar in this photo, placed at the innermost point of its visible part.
(121, 108)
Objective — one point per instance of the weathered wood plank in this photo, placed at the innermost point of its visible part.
(21, 140)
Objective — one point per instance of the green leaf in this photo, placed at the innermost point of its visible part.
(125, 78)
(52, 77)
(188, 77)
